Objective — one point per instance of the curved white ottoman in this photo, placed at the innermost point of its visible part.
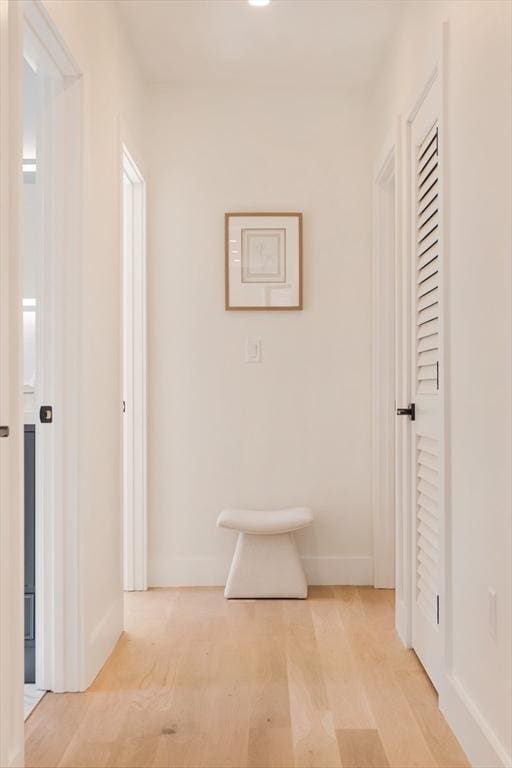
(266, 562)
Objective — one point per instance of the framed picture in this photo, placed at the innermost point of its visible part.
(263, 261)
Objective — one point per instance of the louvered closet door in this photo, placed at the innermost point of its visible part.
(427, 381)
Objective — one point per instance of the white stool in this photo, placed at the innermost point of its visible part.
(266, 562)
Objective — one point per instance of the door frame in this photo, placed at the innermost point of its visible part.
(398, 146)
(62, 660)
(134, 373)
(391, 383)
(386, 252)
(59, 609)
(11, 401)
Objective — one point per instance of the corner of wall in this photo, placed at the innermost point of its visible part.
(482, 746)
(102, 641)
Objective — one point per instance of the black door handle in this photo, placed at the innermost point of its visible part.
(410, 412)
(46, 414)
(4, 431)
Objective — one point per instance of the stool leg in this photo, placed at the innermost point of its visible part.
(266, 565)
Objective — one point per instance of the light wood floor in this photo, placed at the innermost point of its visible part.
(199, 681)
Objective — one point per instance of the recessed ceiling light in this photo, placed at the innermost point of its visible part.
(259, 2)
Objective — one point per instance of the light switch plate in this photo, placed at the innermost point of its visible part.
(253, 351)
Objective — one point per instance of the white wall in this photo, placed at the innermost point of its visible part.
(111, 88)
(295, 429)
(478, 162)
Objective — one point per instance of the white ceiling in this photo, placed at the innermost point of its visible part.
(289, 42)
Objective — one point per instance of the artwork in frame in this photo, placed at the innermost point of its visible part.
(263, 261)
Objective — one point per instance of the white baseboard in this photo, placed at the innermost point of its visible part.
(401, 623)
(478, 740)
(16, 760)
(340, 571)
(212, 572)
(102, 641)
(188, 572)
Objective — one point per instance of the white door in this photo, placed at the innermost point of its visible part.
(53, 259)
(42, 286)
(11, 446)
(427, 384)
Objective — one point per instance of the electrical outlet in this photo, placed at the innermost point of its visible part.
(253, 351)
(493, 614)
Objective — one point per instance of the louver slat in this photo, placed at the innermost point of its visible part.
(428, 294)
(428, 343)
(429, 519)
(427, 265)
(429, 313)
(428, 358)
(425, 259)
(428, 208)
(425, 275)
(428, 204)
(428, 239)
(427, 525)
(428, 329)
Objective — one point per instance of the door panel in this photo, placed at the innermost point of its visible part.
(426, 384)
(11, 447)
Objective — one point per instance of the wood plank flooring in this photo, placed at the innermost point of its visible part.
(198, 681)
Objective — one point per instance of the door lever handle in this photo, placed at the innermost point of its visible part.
(46, 414)
(4, 431)
(410, 412)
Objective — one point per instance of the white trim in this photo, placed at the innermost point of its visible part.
(134, 375)
(447, 608)
(32, 696)
(480, 743)
(401, 619)
(59, 608)
(385, 246)
(339, 571)
(103, 639)
(11, 401)
(49, 37)
(213, 571)
(127, 138)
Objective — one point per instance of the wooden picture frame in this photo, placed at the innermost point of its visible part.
(263, 261)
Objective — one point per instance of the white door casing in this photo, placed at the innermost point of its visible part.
(11, 403)
(385, 254)
(392, 335)
(134, 375)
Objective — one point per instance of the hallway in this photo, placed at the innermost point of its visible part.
(256, 342)
(200, 681)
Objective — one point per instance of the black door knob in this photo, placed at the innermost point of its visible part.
(46, 414)
(410, 412)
